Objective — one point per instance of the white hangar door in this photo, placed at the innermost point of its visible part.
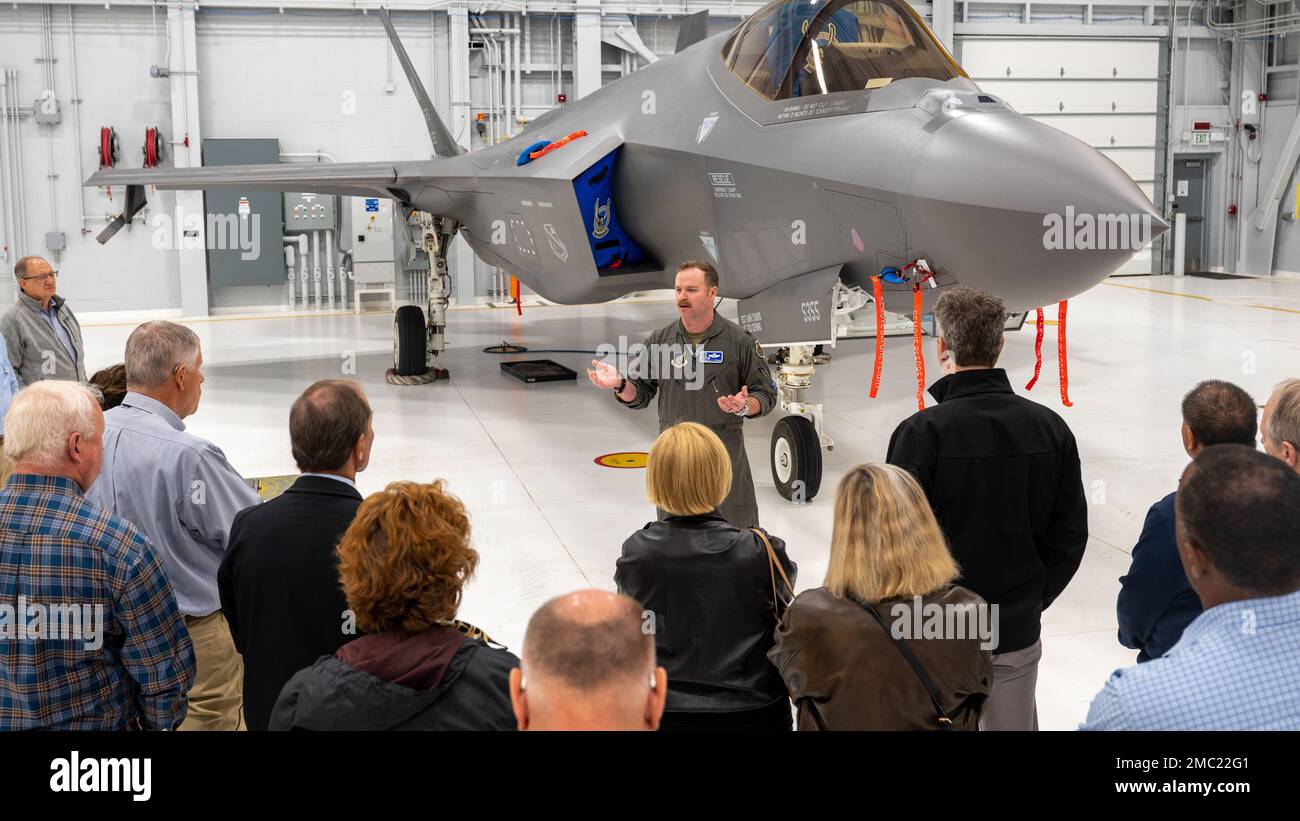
(1100, 91)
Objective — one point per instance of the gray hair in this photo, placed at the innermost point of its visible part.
(20, 267)
(971, 324)
(1284, 422)
(42, 417)
(155, 349)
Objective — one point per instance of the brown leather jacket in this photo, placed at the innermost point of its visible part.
(844, 672)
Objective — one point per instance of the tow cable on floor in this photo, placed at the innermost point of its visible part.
(510, 348)
(1062, 357)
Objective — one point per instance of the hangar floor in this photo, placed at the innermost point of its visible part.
(547, 519)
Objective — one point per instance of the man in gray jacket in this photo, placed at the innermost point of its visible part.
(40, 330)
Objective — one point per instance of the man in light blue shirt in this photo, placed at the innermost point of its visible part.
(179, 490)
(8, 388)
(1237, 666)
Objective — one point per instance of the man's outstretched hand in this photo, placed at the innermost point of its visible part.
(604, 375)
(733, 403)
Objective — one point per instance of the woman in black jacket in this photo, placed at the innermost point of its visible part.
(403, 563)
(711, 590)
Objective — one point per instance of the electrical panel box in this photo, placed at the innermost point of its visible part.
(45, 110)
(243, 227)
(371, 237)
(372, 229)
(308, 212)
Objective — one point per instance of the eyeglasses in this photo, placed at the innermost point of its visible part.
(50, 275)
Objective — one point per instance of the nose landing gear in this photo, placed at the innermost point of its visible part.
(416, 342)
(797, 439)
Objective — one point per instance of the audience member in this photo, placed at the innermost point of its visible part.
(713, 592)
(94, 639)
(404, 562)
(182, 494)
(40, 330)
(8, 389)
(1236, 666)
(1002, 475)
(1156, 602)
(1280, 425)
(846, 650)
(279, 580)
(111, 382)
(588, 664)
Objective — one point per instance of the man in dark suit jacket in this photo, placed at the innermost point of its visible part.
(1156, 602)
(1002, 474)
(279, 580)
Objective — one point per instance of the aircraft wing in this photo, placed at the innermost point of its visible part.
(358, 179)
(355, 178)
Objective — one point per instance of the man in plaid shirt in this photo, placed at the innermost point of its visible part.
(90, 634)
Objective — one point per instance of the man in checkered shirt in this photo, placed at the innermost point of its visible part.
(90, 634)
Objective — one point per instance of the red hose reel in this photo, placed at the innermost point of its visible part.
(108, 151)
(153, 147)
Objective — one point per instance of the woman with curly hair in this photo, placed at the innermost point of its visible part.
(404, 562)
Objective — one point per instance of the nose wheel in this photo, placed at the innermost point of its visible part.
(796, 459)
(797, 439)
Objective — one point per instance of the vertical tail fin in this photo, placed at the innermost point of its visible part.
(443, 144)
(693, 29)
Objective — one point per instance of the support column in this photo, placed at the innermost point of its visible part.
(192, 263)
(942, 22)
(1254, 243)
(460, 258)
(586, 50)
(458, 73)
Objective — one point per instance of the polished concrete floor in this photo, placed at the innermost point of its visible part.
(547, 519)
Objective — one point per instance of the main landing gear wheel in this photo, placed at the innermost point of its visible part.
(796, 459)
(409, 350)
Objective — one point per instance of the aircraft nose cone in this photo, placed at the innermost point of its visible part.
(1022, 210)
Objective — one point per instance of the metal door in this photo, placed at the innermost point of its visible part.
(1189, 198)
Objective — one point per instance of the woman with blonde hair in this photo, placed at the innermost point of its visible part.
(889, 642)
(404, 562)
(714, 593)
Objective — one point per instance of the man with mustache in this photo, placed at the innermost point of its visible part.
(704, 369)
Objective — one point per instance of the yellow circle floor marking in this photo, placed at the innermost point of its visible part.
(632, 459)
(268, 487)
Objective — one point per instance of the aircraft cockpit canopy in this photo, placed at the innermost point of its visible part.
(798, 48)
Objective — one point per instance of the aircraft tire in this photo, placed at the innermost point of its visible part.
(796, 457)
(409, 341)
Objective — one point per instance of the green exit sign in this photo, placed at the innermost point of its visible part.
(1200, 138)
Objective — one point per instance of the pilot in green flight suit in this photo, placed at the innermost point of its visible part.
(704, 369)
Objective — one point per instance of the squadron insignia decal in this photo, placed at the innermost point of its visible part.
(600, 222)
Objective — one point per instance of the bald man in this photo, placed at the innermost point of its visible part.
(588, 664)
